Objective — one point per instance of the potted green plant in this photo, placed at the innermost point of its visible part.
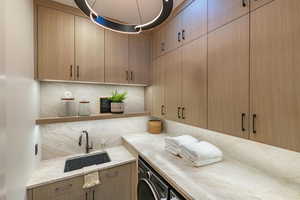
(117, 102)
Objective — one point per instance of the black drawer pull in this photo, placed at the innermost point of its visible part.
(254, 123)
(243, 118)
(179, 36)
(183, 34)
(178, 113)
(182, 113)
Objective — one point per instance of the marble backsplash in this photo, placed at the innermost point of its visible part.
(275, 161)
(51, 93)
(62, 139)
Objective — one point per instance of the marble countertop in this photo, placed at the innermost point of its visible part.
(50, 171)
(226, 180)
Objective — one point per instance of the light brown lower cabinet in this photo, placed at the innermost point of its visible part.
(228, 78)
(275, 72)
(254, 4)
(116, 183)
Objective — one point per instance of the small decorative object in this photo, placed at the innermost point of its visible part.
(84, 108)
(155, 126)
(105, 105)
(117, 104)
(67, 105)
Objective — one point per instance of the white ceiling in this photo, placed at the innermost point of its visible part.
(124, 10)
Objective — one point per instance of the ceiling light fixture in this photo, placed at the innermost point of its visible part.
(104, 22)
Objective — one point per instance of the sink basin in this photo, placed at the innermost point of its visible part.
(85, 161)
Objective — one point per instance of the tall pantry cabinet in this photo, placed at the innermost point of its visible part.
(249, 85)
(275, 72)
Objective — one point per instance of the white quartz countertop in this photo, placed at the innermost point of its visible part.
(51, 171)
(226, 180)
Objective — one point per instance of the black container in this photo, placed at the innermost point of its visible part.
(104, 105)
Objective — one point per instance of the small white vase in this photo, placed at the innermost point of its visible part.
(117, 108)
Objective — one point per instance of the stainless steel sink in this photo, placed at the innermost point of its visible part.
(85, 161)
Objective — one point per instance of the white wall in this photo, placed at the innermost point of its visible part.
(2, 107)
(21, 96)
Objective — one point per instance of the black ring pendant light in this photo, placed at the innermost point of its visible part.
(125, 28)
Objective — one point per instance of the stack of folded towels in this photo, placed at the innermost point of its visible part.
(195, 152)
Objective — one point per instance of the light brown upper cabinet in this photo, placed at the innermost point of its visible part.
(187, 25)
(158, 42)
(139, 59)
(172, 65)
(194, 21)
(55, 45)
(116, 58)
(228, 78)
(221, 12)
(173, 33)
(275, 72)
(158, 87)
(89, 45)
(194, 83)
(258, 3)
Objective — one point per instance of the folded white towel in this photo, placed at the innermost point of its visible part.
(201, 153)
(201, 163)
(91, 180)
(172, 150)
(180, 140)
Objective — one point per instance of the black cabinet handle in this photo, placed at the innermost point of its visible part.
(254, 123)
(131, 75)
(93, 194)
(179, 36)
(178, 113)
(243, 118)
(77, 71)
(86, 195)
(182, 113)
(183, 34)
(162, 46)
(71, 71)
(127, 75)
(244, 3)
(162, 110)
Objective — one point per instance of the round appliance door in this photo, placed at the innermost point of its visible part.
(146, 191)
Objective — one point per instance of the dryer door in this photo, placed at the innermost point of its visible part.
(146, 190)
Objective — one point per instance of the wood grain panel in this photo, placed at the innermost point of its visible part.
(221, 12)
(173, 83)
(228, 77)
(194, 82)
(139, 59)
(55, 45)
(275, 61)
(158, 87)
(116, 57)
(89, 44)
(194, 20)
(258, 3)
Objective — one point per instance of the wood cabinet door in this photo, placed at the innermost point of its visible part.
(194, 20)
(173, 83)
(55, 45)
(64, 190)
(173, 37)
(194, 83)
(89, 43)
(116, 57)
(116, 183)
(139, 59)
(221, 12)
(258, 3)
(228, 78)
(275, 72)
(158, 88)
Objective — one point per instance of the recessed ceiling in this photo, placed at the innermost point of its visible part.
(125, 10)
